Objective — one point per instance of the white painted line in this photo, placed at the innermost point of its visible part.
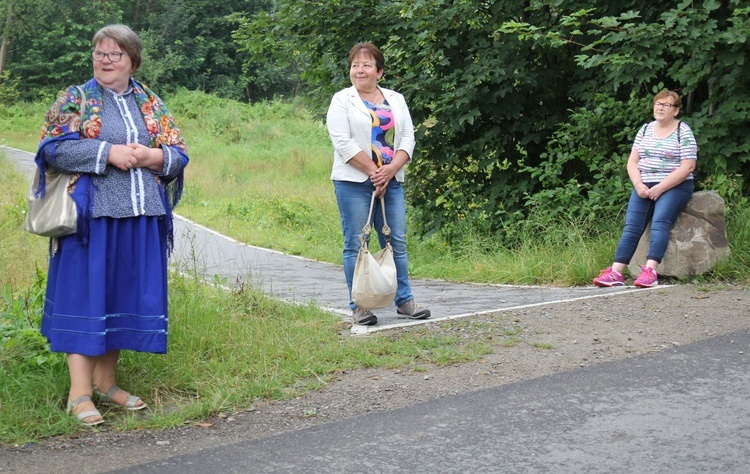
(358, 330)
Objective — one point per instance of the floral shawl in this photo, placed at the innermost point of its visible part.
(64, 122)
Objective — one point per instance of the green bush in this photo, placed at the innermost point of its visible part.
(9, 93)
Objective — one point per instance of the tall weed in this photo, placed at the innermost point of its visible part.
(736, 268)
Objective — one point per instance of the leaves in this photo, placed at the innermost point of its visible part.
(504, 94)
(520, 105)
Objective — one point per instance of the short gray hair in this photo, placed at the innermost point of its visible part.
(126, 39)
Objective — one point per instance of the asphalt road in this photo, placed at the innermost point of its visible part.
(684, 410)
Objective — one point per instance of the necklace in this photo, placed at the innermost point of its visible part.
(370, 96)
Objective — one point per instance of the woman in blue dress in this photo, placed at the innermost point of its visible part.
(107, 283)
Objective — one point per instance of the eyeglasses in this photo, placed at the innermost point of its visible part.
(114, 56)
(663, 105)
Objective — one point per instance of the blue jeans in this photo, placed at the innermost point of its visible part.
(354, 203)
(662, 214)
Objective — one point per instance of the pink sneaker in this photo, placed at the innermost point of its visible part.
(609, 278)
(647, 278)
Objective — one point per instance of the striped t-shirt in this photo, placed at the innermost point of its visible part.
(661, 156)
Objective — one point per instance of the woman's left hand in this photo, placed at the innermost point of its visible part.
(673, 179)
(383, 175)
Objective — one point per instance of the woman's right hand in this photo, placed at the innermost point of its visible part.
(642, 190)
(380, 191)
(146, 157)
(122, 157)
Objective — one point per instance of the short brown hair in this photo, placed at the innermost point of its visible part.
(369, 49)
(676, 101)
(126, 39)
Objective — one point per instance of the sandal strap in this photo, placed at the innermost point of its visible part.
(130, 403)
(112, 390)
(74, 403)
(85, 414)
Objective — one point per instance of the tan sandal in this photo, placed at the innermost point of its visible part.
(85, 414)
(130, 404)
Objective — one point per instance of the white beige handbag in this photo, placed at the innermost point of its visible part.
(375, 283)
(54, 214)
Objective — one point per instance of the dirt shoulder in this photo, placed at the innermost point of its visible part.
(545, 340)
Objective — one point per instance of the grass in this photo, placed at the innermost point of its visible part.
(543, 345)
(260, 174)
(226, 349)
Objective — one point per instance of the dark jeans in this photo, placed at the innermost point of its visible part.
(662, 214)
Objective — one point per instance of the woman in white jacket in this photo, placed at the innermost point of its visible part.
(373, 138)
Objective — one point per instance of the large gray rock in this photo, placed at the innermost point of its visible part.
(697, 242)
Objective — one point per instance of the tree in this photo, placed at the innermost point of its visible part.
(697, 48)
(6, 35)
(187, 43)
(51, 45)
(506, 93)
(188, 48)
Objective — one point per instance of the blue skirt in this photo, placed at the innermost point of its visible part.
(112, 293)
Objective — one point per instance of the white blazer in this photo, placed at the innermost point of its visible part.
(350, 127)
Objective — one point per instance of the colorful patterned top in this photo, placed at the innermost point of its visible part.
(660, 156)
(383, 132)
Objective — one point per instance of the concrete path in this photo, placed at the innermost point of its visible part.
(679, 411)
(220, 258)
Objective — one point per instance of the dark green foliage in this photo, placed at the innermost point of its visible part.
(50, 43)
(522, 107)
(531, 107)
(697, 48)
(582, 173)
(9, 94)
(187, 43)
(190, 45)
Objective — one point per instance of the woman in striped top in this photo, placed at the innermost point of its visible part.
(660, 165)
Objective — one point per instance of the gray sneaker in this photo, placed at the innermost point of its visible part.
(412, 311)
(364, 317)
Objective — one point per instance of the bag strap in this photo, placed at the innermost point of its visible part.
(55, 241)
(367, 228)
